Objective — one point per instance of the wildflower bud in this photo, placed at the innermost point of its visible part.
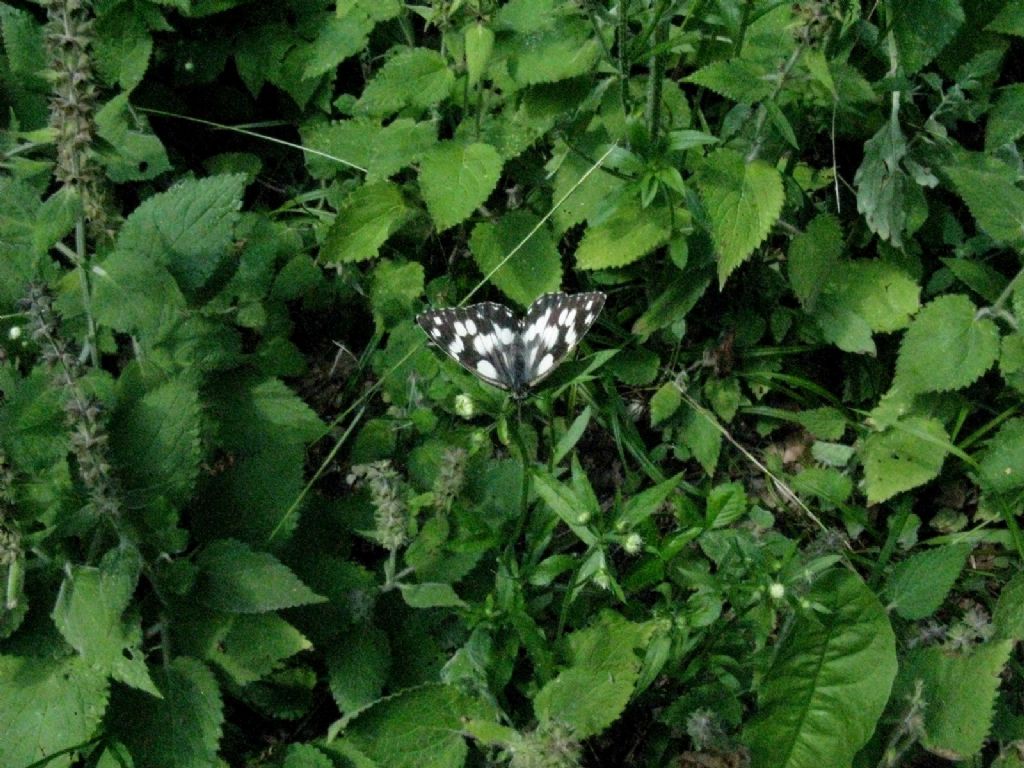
(14, 333)
(777, 591)
(583, 518)
(464, 406)
(634, 544)
(601, 579)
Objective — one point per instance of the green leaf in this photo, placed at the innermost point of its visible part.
(479, 41)
(565, 503)
(338, 37)
(395, 292)
(255, 646)
(571, 437)
(155, 440)
(123, 46)
(1006, 118)
(726, 504)
(24, 47)
(132, 151)
(89, 614)
(1001, 466)
(644, 504)
(414, 77)
(591, 693)
(48, 705)
(961, 694)
(979, 277)
(825, 423)
(906, 455)
(535, 268)
(417, 728)
(630, 233)
(1008, 617)
(430, 595)
(306, 756)
(813, 254)
(739, 80)
(679, 296)
(820, 700)
(1010, 20)
(586, 196)
(918, 585)
(550, 55)
(367, 218)
(383, 150)
(665, 402)
(182, 729)
(882, 184)
(946, 347)
(701, 437)
(993, 197)
(235, 579)
(133, 294)
(187, 229)
(457, 178)
(743, 201)
(922, 28)
(357, 668)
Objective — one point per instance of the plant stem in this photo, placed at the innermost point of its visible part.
(657, 74)
(622, 34)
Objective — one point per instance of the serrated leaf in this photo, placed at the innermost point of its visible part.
(338, 37)
(550, 55)
(665, 402)
(1005, 122)
(629, 234)
(123, 46)
(961, 694)
(820, 700)
(918, 585)
(255, 645)
(181, 730)
(457, 178)
(979, 277)
(824, 483)
(307, 756)
(536, 268)
(813, 254)
(236, 579)
(701, 437)
(743, 201)
(638, 508)
(882, 183)
(1008, 617)
(430, 595)
(586, 194)
(368, 217)
(187, 229)
(132, 151)
(826, 423)
(479, 40)
(357, 668)
(922, 28)
(417, 728)
(906, 455)
(48, 705)
(1010, 20)
(1001, 466)
(414, 77)
(89, 614)
(155, 440)
(946, 347)
(737, 79)
(395, 292)
(993, 197)
(726, 503)
(383, 150)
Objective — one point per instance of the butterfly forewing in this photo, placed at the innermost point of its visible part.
(553, 327)
(480, 338)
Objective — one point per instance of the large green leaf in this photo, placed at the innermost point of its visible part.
(948, 346)
(743, 201)
(535, 268)
(813, 254)
(990, 190)
(628, 234)
(414, 77)
(383, 150)
(1002, 462)
(549, 55)
(908, 454)
(357, 667)
(255, 645)
(922, 28)
(368, 217)
(820, 700)
(882, 184)
(920, 583)
(457, 178)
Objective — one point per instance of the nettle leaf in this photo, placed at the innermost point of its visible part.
(628, 234)
(665, 402)
(1006, 118)
(339, 36)
(1001, 466)
(536, 268)
(367, 218)
(961, 693)
(946, 347)
(918, 585)
(743, 200)
(479, 42)
(417, 728)
(132, 151)
(550, 55)
(255, 646)
(431, 595)
(357, 667)
(882, 184)
(306, 756)
(587, 197)
(383, 150)
(187, 229)
(1008, 616)
(908, 454)
(591, 693)
(180, 730)
(123, 46)
(414, 77)
(395, 292)
(737, 79)
(813, 254)
(1009, 21)
(457, 178)
(48, 705)
(155, 439)
(820, 700)
(922, 28)
(236, 579)
(89, 613)
(989, 188)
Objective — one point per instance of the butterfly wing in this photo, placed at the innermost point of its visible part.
(479, 337)
(553, 327)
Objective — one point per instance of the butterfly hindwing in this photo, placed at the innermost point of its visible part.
(553, 327)
(480, 338)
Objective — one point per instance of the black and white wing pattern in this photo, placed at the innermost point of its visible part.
(509, 353)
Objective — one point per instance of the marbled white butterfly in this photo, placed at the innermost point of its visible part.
(509, 352)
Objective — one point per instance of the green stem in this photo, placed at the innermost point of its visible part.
(902, 515)
(1007, 293)
(623, 63)
(657, 74)
(83, 274)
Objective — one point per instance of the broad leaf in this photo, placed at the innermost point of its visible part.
(535, 268)
(368, 217)
(415, 77)
(908, 454)
(882, 184)
(383, 150)
(920, 583)
(455, 179)
(628, 234)
(1002, 462)
(922, 28)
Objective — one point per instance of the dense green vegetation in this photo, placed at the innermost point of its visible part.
(767, 512)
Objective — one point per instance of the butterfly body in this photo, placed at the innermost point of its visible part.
(509, 352)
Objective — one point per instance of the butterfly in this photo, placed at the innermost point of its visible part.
(509, 352)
